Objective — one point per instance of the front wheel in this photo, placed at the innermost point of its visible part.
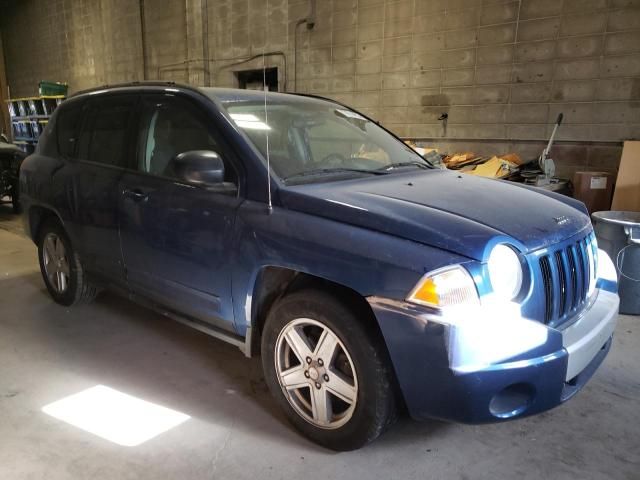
(328, 372)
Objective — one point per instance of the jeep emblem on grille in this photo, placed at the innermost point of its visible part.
(561, 220)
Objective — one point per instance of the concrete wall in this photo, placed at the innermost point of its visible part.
(5, 126)
(82, 42)
(501, 69)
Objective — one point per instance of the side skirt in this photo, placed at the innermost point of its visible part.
(243, 343)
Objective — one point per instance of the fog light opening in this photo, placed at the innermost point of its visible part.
(512, 400)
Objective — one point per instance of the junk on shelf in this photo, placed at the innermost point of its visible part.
(30, 115)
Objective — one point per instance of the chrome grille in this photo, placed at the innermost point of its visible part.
(565, 274)
(545, 267)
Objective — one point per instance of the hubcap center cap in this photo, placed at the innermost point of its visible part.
(313, 373)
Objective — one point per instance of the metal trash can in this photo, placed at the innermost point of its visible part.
(618, 234)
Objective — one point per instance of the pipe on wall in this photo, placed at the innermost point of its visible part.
(143, 38)
(239, 61)
(205, 42)
(310, 20)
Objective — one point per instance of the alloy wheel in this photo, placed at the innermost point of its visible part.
(56, 263)
(316, 373)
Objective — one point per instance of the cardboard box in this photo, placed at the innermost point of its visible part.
(627, 194)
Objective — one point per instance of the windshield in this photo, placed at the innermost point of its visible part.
(314, 138)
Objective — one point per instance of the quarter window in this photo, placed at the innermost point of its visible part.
(68, 127)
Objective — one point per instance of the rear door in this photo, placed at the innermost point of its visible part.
(177, 237)
(99, 156)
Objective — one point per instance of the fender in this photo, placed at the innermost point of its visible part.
(370, 263)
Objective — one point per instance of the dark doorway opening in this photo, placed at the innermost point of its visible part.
(253, 79)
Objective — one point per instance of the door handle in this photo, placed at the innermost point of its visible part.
(135, 195)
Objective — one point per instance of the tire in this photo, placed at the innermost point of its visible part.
(358, 369)
(72, 287)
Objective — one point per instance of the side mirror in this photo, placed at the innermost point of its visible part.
(202, 167)
(4, 138)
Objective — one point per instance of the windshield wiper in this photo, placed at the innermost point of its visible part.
(403, 164)
(322, 171)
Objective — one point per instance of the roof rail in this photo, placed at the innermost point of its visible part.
(145, 83)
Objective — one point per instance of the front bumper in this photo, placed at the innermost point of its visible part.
(463, 368)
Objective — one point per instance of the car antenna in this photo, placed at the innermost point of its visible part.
(266, 115)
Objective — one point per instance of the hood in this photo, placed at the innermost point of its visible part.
(456, 212)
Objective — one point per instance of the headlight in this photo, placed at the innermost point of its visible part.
(505, 272)
(445, 287)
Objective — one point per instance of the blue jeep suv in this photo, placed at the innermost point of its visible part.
(295, 227)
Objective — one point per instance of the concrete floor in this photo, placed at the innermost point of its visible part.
(48, 352)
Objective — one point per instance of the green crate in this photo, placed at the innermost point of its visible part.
(52, 88)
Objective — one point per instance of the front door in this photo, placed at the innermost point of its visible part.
(176, 237)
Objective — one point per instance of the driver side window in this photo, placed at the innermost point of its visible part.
(170, 126)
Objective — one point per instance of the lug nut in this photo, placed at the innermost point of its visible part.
(308, 359)
(320, 362)
(326, 377)
(306, 374)
(317, 385)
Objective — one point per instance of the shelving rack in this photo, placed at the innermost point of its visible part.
(29, 116)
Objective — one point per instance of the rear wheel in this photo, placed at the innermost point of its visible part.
(327, 371)
(60, 266)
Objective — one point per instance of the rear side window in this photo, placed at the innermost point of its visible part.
(105, 131)
(68, 128)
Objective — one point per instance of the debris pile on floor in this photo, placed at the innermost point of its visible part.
(430, 154)
(496, 166)
(539, 171)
